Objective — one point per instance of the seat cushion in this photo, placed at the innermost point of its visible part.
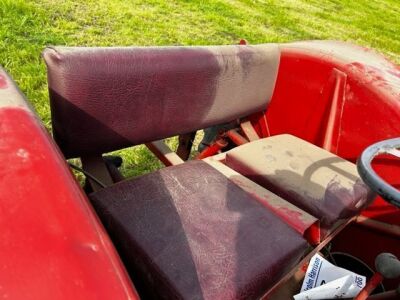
(187, 232)
(122, 96)
(315, 180)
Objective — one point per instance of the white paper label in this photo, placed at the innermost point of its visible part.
(324, 280)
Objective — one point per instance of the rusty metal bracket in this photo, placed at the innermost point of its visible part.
(214, 148)
(249, 131)
(164, 153)
(236, 137)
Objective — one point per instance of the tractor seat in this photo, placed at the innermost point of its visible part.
(184, 232)
(188, 232)
(313, 179)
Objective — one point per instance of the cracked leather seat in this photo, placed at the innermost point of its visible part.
(104, 99)
(188, 232)
(184, 232)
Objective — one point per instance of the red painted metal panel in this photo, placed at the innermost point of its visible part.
(52, 245)
(369, 103)
(372, 93)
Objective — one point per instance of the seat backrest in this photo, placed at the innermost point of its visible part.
(104, 99)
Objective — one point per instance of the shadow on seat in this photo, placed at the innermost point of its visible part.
(189, 232)
(185, 231)
(315, 180)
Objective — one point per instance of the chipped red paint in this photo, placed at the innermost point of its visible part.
(297, 219)
(295, 216)
(374, 76)
(3, 82)
(370, 286)
(312, 233)
(213, 149)
(52, 245)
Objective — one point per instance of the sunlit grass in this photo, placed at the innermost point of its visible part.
(26, 27)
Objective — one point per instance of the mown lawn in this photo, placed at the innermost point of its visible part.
(26, 27)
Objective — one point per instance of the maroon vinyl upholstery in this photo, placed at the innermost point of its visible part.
(104, 99)
(187, 232)
(317, 181)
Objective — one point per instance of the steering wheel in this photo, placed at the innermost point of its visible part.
(369, 176)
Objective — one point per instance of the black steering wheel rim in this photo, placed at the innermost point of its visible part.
(369, 176)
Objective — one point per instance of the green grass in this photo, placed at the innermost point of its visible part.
(26, 27)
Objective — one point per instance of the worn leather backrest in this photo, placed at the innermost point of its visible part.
(103, 99)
